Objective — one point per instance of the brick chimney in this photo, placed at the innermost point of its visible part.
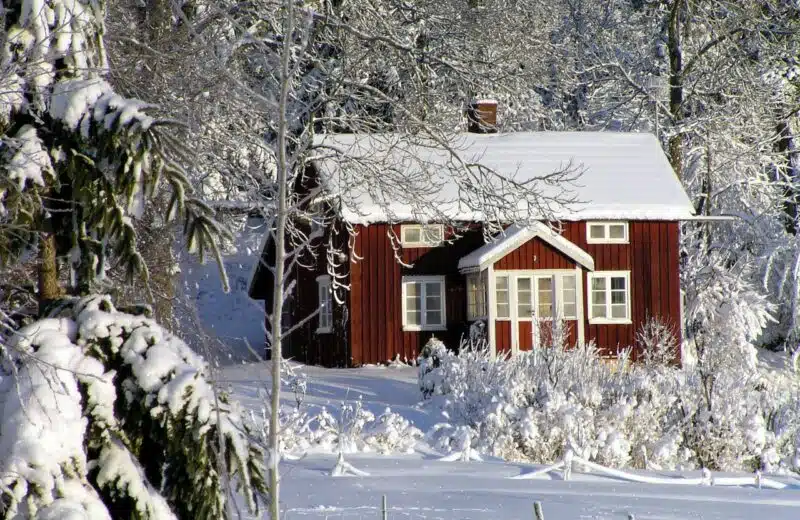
(482, 116)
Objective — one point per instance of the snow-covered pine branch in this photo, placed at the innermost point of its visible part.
(106, 411)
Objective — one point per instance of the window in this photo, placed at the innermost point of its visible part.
(415, 235)
(607, 232)
(544, 297)
(569, 297)
(501, 295)
(476, 297)
(423, 303)
(325, 324)
(609, 294)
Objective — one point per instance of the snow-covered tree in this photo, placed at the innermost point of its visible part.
(107, 415)
(78, 161)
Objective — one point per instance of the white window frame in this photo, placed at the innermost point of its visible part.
(324, 296)
(422, 242)
(607, 232)
(607, 275)
(478, 306)
(558, 292)
(422, 280)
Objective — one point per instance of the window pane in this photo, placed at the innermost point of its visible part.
(433, 289)
(412, 317)
(502, 297)
(544, 310)
(411, 234)
(617, 297)
(524, 310)
(433, 317)
(597, 231)
(412, 303)
(523, 284)
(503, 310)
(616, 231)
(598, 311)
(433, 234)
(412, 289)
(568, 282)
(598, 298)
(433, 303)
(619, 311)
(502, 282)
(618, 283)
(598, 284)
(570, 310)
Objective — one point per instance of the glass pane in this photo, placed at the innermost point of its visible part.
(413, 303)
(569, 296)
(568, 282)
(598, 311)
(616, 231)
(411, 234)
(524, 310)
(544, 311)
(433, 317)
(502, 282)
(433, 289)
(617, 297)
(523, 284)
(524, 297)
(412, 317)
(597, 231)
(412, 289)
(598, 284)
(570, 310)
(598, 298)
(618, 283)
(503, 310)
(502, 297)
(433, 234)
(433, 303)
(619, 311)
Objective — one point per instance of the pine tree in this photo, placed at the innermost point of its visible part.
(108, 415)
(78, 161)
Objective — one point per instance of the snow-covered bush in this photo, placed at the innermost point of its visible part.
(536, 405)
(106, 411)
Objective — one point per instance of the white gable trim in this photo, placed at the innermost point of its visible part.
(513, 237)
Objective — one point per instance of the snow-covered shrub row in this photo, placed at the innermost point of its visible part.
(354, 429)
(106, 411)
(536, 404)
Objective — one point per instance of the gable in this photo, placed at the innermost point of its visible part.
(514, 237)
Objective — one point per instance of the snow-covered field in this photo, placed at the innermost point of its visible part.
(420, 486)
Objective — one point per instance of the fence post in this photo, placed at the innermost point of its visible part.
(384, 509)
(537, 511)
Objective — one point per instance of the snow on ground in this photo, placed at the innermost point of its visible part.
(419, 486)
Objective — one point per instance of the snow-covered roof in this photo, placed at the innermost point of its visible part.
(513, 237)
(624, 175)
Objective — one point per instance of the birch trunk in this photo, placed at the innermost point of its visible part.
(280, 261)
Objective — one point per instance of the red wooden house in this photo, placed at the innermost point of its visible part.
(609, 264)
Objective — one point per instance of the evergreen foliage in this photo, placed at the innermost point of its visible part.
(109, 414)
(77, 159)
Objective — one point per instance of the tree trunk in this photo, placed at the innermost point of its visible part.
(282, 175)
(49, 287)
(676, 87)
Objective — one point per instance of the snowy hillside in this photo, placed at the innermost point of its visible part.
(233, 318)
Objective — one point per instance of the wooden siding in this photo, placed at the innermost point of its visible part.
(375, 299)
(651, 256)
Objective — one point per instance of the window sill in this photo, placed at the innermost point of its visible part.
(324, 330)
(605, 321)
(546, 319)
(607, 242)
(414, 328)
(418, 245)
